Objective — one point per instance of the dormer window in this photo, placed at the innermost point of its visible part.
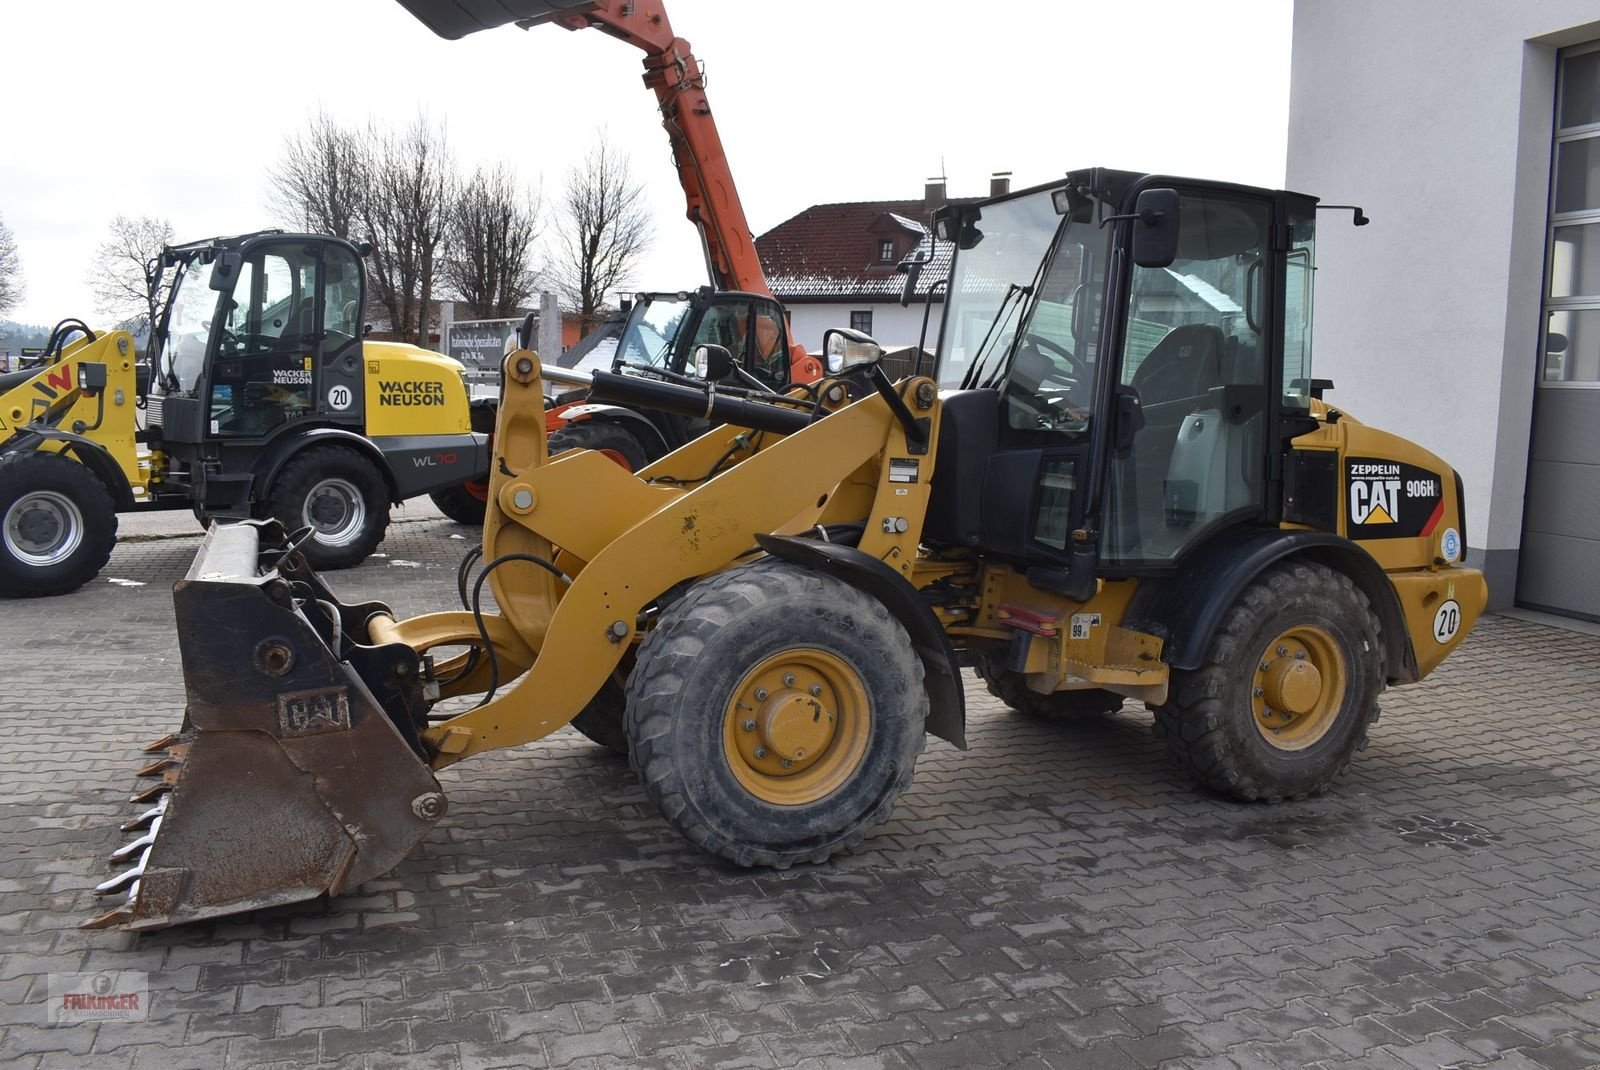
(886, 250)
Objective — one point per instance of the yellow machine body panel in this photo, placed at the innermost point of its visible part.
(59, 394)
(413, 391)
(1402, 505)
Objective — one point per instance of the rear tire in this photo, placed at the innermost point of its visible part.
(1288, 690)
(466, 503)
(609, 438)
(57, 525)
(775, 714)
(601, 721)
(341, 495)
(1010, 687)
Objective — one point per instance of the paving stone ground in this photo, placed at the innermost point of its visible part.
(1057, 896)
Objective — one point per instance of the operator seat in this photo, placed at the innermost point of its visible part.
(1186, 363)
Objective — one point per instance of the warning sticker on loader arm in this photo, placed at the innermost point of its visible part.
(1391, 499)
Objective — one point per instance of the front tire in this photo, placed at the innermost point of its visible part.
(57, 525)
(775, 714)
(341, 496)
(1288, 690)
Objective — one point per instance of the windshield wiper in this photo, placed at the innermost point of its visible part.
(969, 380)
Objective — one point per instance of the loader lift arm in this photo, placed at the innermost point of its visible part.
(673, 73)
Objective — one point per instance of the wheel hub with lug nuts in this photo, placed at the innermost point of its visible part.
(43, 528)
(797, 727)
(1298, 687)
(336, 509)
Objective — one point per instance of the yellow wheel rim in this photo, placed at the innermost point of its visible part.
(797, 726)
(1298, 688)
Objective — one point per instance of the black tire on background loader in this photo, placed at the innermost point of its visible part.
(606, 436)
(39, 491)
(684, 702)
(313, 471)
(1209, 723)
(460, 504)
(468, 503)
(1010, 687)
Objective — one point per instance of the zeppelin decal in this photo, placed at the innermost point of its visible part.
(1391, 499)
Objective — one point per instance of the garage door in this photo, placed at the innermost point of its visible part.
(1560, 561)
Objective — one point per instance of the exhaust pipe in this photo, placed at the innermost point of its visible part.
(298, 768)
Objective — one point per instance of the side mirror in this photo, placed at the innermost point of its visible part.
(225, 270)
(713, 363)
(844, 350)
(1155, 228)
(913, 271)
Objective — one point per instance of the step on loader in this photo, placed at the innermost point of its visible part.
(1121, 482)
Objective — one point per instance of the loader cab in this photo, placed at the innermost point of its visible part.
(663, 330)
(259, 333)
(1115, 354)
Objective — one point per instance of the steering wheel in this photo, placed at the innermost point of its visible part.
(1043, 343)
(228, 338)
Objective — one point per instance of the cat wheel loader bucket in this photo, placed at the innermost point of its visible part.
(296, 770)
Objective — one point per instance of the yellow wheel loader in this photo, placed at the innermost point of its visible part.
(1120, 483)
(261, 400)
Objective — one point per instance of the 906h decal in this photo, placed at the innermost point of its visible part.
(1390, 499)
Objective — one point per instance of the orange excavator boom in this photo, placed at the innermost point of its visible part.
(675, 76)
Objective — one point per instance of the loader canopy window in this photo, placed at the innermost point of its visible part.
(341, 298)
(265, 368)
(769, 356)
(1049, 381)
(1195, 356)
(990, 282)
(652, 327)
(1297, 295)
(183, 355)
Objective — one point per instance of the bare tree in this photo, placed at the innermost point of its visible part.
(126, 276)
(11, 287)
(321, 181)
(410, 186)
(493, 224)
(604, 227)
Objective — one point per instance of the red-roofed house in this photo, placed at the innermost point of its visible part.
(834, 265)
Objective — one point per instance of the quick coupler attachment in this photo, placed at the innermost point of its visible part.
(297, 769)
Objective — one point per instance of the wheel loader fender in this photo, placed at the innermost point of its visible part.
(639, 426)
(1187, 609)
(280, 453)
(85, 451)
(947, 710)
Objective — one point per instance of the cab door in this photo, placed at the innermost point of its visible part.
(287, 347)
(1196, 354)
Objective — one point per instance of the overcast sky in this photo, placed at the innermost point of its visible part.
(179, 108)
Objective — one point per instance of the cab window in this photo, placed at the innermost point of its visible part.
(264, 373)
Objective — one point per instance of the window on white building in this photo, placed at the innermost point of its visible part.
(1571, 347)
(861, 321)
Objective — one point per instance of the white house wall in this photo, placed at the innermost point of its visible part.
(891, 324)
(1436, 118)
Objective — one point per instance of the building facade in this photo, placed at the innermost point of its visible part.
(1467, 315)
(838, 265)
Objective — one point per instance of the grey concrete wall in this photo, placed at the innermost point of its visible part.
(1437, 119)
